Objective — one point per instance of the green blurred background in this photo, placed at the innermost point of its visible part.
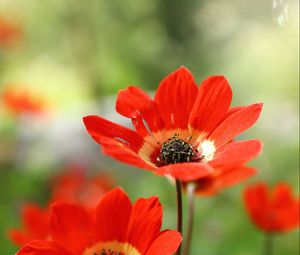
(78, 54)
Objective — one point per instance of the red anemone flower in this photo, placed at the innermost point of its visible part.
(35, 225)
(272, 210)
(181, 130)
(74, 186)
(117, 227)
(221, 178)
(8, 32)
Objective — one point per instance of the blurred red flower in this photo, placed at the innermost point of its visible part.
(9, 32)
(74, 186)
(184, 132)
(272, 210)
(35, 225)
(116, 228)
(221, 178)
(22, 101)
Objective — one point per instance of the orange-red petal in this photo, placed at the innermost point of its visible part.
(145, 223)
(224, 177)
(42, 247)
(18, 237)
(71, 227)
(134, 103)
(186, 171)
(235, 175)
(175, 98)
(237, 153)
(211, 105)
(235, 124)
(122, 153)
(36, 225)
(99, 128)
(166, 243)
(112, 216)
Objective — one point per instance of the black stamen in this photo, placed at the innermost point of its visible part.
(176, 150)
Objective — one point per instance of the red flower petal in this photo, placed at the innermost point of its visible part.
(145, 223)
(36, 225)
(257, 195)
(234, 110)
(166, 243)
(122, 153)
(131, 100)
(175, 98)
(42, 247)
(18, 237)
(71, 227)
(36, 220)
(236, 175)
(99, 127)
(112, 216)
(212, 104)
(134, 103)
(256, 202)
(235, 124)
(282, 195)
(225, 178)
(294, 215)
(186, 171)
(237, 152)
(286, 206)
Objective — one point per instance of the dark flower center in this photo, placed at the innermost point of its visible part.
(108, 252)
(176, 150)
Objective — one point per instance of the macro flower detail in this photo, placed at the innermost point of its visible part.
(272, 209)
(185, 131)
(175, 150)
(116, 228)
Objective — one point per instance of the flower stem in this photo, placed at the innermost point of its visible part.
(268, 249)
(191, 208)
(179, 211)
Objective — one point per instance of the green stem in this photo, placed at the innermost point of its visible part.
(269, 244)
(191, 187)
(179, 211)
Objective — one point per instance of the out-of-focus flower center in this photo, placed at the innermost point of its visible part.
(176, 150)
(111, 248)
(108, 252)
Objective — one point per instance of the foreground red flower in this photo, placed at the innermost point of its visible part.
(272, 210)
(74, 186)
(35, 225)
(22, 101)
(116, 228)
(184, 132)
(8, 32)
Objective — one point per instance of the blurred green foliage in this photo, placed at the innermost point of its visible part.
(77, 53)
